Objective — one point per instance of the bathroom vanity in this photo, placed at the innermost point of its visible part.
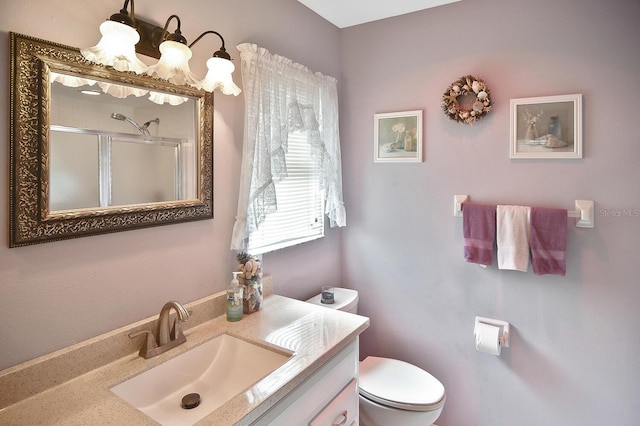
(317, 383)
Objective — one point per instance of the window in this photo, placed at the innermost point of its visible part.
(291, 175)
(299, 216)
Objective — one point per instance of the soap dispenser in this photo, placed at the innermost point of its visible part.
(234, 299)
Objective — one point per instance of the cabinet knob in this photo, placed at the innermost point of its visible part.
(340, 421)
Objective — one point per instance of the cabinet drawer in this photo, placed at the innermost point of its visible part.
(342, 410)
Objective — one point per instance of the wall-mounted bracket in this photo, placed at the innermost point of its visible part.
(585, 210)
(151, 36)
(458, 200)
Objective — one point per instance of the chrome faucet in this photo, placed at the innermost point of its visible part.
(166, 338)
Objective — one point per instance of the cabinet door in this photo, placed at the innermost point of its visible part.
(342, 410)
(302, 404)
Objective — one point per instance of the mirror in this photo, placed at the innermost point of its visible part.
(95, 150)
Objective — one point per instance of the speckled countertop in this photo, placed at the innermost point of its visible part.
(313, 333)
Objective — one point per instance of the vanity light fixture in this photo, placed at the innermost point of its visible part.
(123, 35)
(173, 65)
(220, 68)
(116, 48)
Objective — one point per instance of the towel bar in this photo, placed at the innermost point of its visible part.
(584, 211)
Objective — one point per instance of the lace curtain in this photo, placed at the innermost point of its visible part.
(281, 97)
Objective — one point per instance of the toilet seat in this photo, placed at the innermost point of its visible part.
(398, 384)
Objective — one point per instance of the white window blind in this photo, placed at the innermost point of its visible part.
(299, 217)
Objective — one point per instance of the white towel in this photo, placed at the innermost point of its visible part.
(512, 237)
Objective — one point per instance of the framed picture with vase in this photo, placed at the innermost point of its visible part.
(546, 127)
(397, 137)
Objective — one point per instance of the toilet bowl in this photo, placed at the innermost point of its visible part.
(391, 392)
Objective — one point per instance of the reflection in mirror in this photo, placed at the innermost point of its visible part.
(100, 158)
(96, 150)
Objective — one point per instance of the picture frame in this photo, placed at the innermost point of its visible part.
(548, 127)
(398, 137)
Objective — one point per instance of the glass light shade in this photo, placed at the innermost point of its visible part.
(219, 76)
(115, 90)
(173, 65)
(116, 48)
(121, 91)
(166, 98)
(71, 80)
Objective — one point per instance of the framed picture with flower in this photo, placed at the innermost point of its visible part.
(546, 127)
(397, 137)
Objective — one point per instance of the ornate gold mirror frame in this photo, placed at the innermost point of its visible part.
(30, 219)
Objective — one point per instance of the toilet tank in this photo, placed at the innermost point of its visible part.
(345, 299)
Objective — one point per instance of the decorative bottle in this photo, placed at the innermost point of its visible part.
(554, 127)
(234, 299)
(532, 131)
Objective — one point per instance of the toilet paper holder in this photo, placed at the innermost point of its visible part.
(504, 329)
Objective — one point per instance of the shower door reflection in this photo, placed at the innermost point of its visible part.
(91, 169)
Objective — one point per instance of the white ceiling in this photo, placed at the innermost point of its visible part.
(346, 13)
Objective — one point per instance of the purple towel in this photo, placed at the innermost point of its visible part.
(548, 240)
(479, 231)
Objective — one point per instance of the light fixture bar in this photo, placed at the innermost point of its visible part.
(124, 35)
(151, 36)
(226, 55)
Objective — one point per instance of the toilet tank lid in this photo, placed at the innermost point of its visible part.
(345, 299)
(398, 384)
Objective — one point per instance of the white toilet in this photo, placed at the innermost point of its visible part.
(392, 392)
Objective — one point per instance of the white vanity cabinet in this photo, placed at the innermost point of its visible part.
(328, 397)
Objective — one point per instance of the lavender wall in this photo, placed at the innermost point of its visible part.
(56, 294)
(574, 349)
(573, 359)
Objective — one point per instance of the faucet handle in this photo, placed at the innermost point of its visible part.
(149, 344)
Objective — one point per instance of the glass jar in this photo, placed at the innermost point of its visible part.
(554, 127)
(253, 294)
(250, 268)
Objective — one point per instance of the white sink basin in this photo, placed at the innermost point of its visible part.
(217, 370)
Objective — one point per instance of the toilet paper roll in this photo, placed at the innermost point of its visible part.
(488, 339)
